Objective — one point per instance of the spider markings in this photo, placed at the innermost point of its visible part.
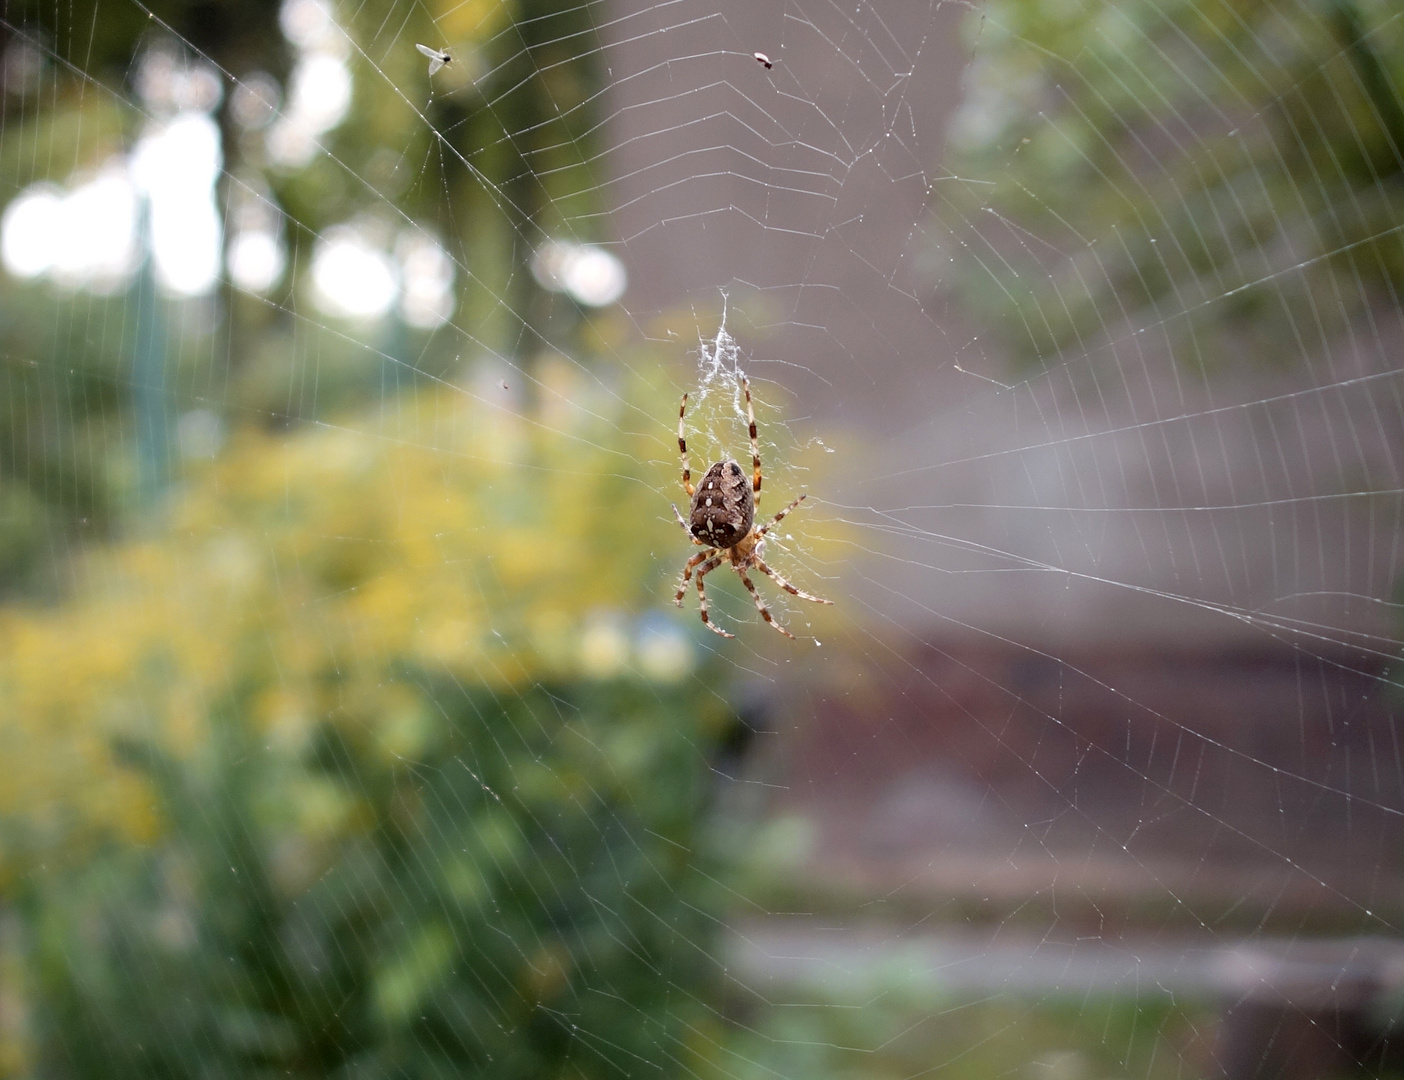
(724, 509)
(722, 518)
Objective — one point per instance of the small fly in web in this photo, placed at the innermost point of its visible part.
(764, 60)
(438, 58)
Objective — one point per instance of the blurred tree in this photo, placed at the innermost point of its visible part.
(68, 101)
(1225, 165)
(406, 784)
(490, 156)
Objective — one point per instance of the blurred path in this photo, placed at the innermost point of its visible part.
(782, 955)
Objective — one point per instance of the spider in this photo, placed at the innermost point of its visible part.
(722, 516)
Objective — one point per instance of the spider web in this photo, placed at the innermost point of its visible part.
(1093, 767)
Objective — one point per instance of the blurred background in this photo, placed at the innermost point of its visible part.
(346, 728)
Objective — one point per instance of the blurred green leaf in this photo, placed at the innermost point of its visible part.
(1226, 172)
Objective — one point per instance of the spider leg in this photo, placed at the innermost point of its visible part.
(755, 444)
(685, 528)
(760, 604)
(682, 449)
(760, 565)
(702, 571)
(687, 572)
(777, 518)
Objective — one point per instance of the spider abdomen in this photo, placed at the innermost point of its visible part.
(723, 508)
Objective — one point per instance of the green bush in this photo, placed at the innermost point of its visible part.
(522, 898)
(383, 754)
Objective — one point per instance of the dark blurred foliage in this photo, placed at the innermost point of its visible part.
(515, 900)
(1230, 172)
(57, 382)
(101, 40)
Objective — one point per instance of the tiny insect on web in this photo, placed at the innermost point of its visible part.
(721, 520)
(438, 58)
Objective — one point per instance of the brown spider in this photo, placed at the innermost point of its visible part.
(722, 515)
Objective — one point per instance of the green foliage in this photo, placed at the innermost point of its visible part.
(102, 40)
(1230, 166)
(56, 486)
(521, 897)
(410, 766)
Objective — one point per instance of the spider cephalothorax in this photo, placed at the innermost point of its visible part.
(722, 519)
